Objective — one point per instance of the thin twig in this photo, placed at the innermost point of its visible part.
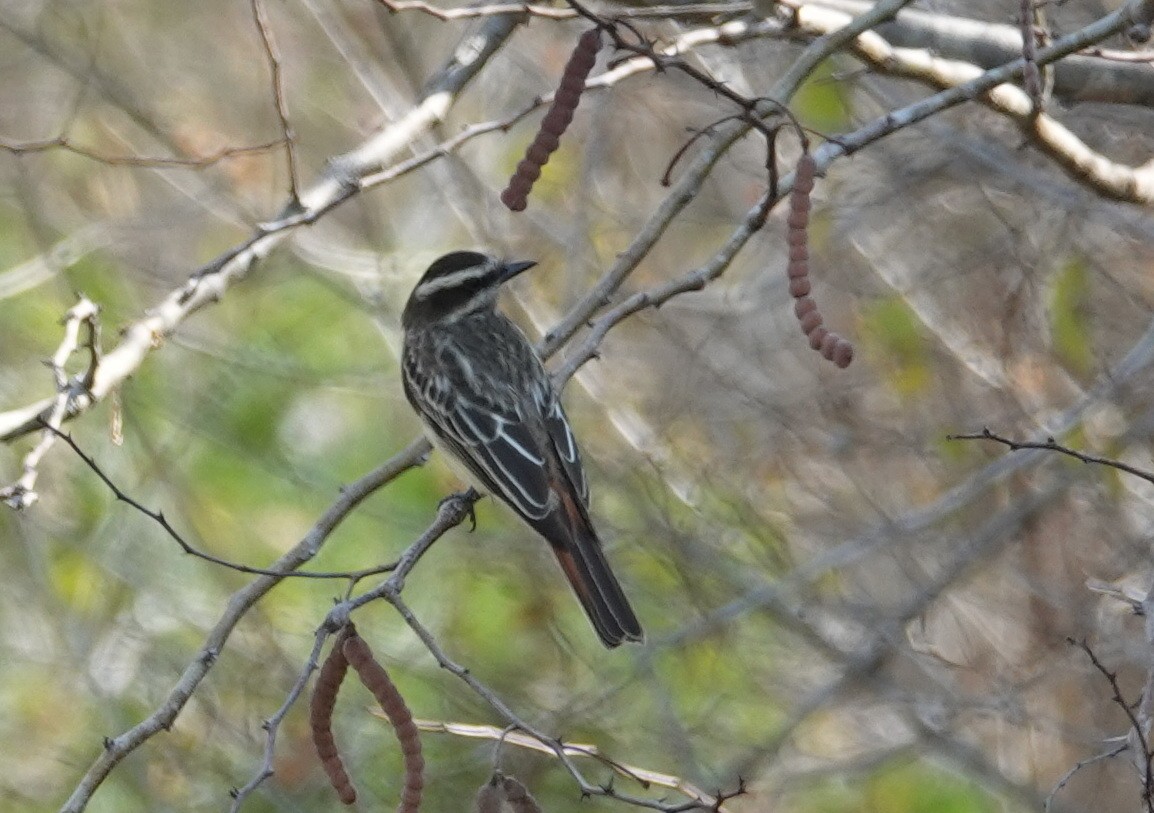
(272, 725)
(963, 81)
(160, 519)
(452, 512)
(1051, 445)
(643, 776)
(1121, 748)
(288, 136)
(554, 13)
(1136, 729)
(65, 143)
(1031, 75)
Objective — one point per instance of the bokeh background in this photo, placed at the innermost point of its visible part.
(845, 610)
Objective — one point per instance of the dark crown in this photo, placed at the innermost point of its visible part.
(457, 282)
(456, 261)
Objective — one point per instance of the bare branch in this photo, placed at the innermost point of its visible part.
(118, 747)
(963, 81)
(643, 776)
(210, 283)
(687, 186)
(554, 13)
(391, 593)
(272, 725)
(1081, 77)
(22, 493)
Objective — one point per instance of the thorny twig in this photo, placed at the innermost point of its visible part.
(1049, 444)
(1118, 749)
(1137, 730)
(160, 519)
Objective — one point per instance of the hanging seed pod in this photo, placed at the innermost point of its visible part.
(377, 681)
(324, 699)
(831, 346)
(556, 121)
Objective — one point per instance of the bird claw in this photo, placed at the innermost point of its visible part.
(469, 496)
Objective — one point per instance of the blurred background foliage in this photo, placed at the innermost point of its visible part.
(844, 610)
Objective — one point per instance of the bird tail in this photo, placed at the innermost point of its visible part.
(583, 561)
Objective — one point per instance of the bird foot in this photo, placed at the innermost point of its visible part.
(469, 497)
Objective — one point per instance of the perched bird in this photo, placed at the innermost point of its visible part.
(487, 402)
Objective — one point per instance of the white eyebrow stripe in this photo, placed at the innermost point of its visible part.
(451, 280)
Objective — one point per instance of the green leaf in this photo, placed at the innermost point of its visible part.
(901, 344)
(1070, 317)
(821, 101)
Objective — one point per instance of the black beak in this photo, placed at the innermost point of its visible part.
(513, 269)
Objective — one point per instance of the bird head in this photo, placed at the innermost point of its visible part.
(459, 284)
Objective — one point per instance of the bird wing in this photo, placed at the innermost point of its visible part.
(503, 444)
(502, 448)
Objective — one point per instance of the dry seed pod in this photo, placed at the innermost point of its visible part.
(377, 681)
(803, 306)
(553, 126)
(831, 346)
(518, 796)
(324, 698)
(504, 793)
(490, 797)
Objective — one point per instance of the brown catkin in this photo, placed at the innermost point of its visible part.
(798, 219)
(799, 287)
(798, 269)
(537, 154)
(804, 174)
(518, 796)
(515, 199)
(490, 797)
(324, 699)
(377, 681)
(547, 142)
(529, 171)
(831, 346)
(843, 354)
(556, 121)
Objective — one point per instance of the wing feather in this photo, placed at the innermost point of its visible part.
(509, 444)
(507, 451)
(566, 445)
